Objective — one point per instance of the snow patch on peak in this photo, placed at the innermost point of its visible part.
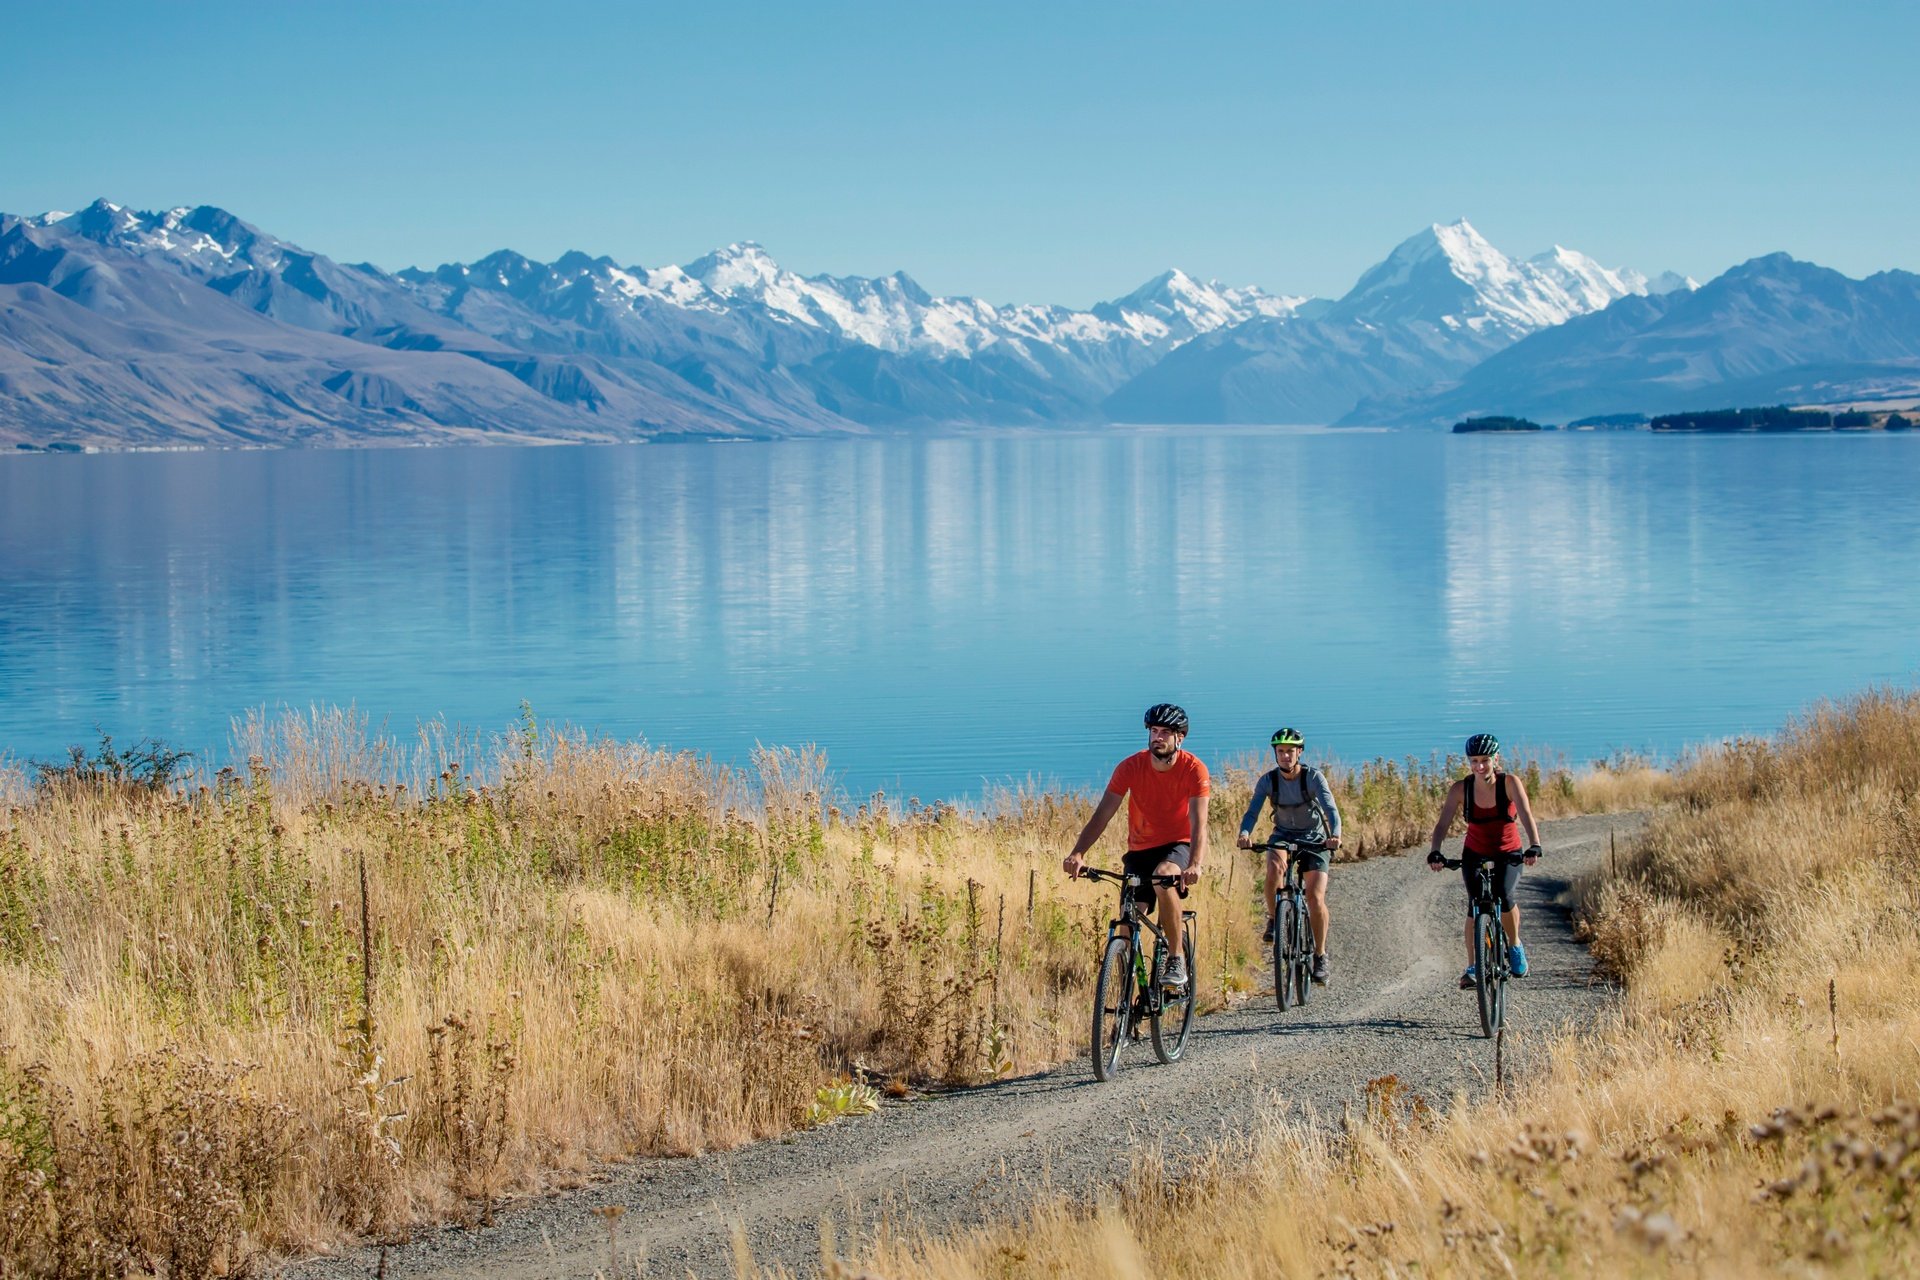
(1449, 274)
(1460, 242)
(1174, 307)
(180, 236)
(741, 268)
(1588, 286)
(1671, 282)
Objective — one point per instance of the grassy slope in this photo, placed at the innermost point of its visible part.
(1751, 1109)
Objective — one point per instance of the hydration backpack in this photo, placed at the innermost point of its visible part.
(1307, 798)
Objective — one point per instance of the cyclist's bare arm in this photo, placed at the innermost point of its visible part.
(1197, 817)
(1448, 808)
(1102, 814)
(1524, 810)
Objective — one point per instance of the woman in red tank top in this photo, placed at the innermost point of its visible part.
(1492, 828)
(1496, 808)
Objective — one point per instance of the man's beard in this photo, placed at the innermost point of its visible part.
(1163, 753)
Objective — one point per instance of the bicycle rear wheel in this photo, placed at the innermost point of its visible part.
(1487, 986)
(1283, 944)
(1172, 1020)
(1112, 1007)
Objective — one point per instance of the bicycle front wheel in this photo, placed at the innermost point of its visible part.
(1487, 986)
(1112, 1007)
(1302, 954)
(1283, 946)
(1172, 1020)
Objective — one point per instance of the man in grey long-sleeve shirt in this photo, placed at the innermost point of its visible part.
(1303, 813)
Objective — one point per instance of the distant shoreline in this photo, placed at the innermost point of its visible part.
(1879, 423)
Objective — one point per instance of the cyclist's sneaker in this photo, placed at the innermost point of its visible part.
(1267, 937)
(1176, 974)
(1466, 979)
(1320, 970)
(1517, 959)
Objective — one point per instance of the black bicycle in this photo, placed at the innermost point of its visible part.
(1490, 967)
(1292, 931)
(1129, 990)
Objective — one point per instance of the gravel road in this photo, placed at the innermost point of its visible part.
(967, 1157)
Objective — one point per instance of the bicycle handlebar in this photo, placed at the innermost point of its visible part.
(1291, 846)
(1165, 882)
(1454, 864)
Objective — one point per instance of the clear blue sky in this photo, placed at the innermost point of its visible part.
(1056, 152)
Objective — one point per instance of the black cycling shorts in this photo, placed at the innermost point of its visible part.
(1506, 877)
(1142, 863)
(1314, 857)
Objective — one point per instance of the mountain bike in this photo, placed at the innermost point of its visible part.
(1130, 990)
(1490, 967)
(1292, 931)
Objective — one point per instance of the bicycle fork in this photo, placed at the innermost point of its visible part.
(1297, 897)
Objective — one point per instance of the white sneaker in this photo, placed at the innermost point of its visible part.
(1176, 973)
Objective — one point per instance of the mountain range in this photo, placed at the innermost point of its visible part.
(121, 328)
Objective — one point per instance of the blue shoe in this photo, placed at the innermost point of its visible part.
(1466, 979)
(1517, 959)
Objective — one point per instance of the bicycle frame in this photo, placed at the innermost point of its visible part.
(1128, 989)
(1133, 917)
(1491, 967)
(1292, 955)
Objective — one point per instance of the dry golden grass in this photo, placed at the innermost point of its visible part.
(351, 987)
(1750, 1109)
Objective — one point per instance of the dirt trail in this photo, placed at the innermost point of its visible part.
(972, 1156)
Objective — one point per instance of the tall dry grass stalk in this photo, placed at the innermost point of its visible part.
(1751, 1107)
(361, 983)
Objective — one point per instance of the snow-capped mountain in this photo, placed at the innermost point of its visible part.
(891, 313)
(101, 346)
(1448, 274)
(1441, 302)
(879, 350)
(1768, 331)
(1670, 282)
(268, 275)
(194, 318)
(1173, 307)
(888, 313)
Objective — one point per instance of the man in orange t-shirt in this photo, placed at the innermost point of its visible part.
(1166, 823)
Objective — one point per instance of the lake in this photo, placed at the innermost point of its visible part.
(941, 615)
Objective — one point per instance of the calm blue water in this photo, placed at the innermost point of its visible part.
(938, 614)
